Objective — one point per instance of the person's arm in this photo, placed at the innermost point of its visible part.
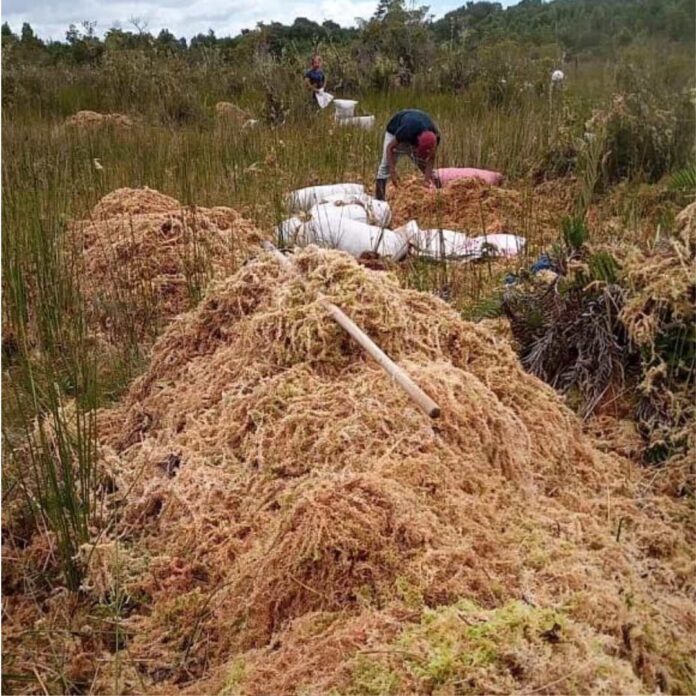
(391, 159)
(428, 171)
(309, 83)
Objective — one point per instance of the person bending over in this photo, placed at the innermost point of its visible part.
(413, 133)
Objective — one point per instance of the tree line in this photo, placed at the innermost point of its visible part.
(405, 35)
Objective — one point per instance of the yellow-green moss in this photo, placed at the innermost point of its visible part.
(409, 593)
(463, 637)
(511, 648)
(371, 678)
(235, 676)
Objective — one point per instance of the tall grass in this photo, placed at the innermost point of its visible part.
(51, 448)
(54, 376)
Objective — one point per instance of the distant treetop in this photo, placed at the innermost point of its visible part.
(579, 27)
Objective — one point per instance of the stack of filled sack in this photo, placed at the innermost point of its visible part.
(344, 216)
(345, 115)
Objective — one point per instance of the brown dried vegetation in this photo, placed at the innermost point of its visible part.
(306, 527)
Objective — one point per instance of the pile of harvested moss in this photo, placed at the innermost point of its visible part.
(130, 201)
(86, 120)
(660, 317)
(227, 113)
(148, 258)
(476, 208)
(286, 520)
(630, 212)
(616, 327)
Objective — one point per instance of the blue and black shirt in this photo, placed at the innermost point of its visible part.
(316, 77)
(408, 124)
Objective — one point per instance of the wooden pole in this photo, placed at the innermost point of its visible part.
(398, 374)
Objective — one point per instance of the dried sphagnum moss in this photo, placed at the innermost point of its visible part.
(89, 120)
(304, 521)
(475, 208)
(660, 317)
(147, 258)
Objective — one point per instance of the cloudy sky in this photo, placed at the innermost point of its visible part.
(188, 17)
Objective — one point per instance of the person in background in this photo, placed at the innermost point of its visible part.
(314, 77)
(413, 133)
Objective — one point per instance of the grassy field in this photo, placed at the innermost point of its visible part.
(50, 178)
(52, 175)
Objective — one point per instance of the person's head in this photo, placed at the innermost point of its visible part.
(427, 144)
(316, 61)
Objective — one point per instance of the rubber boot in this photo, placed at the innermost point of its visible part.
(381, 189)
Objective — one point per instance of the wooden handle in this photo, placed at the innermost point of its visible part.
(398, 374)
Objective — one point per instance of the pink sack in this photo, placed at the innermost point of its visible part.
(450, 174)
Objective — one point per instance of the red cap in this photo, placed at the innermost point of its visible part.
(427, 142)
